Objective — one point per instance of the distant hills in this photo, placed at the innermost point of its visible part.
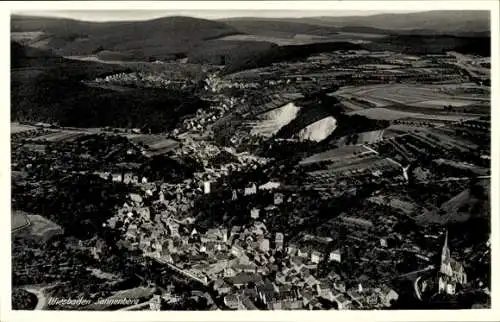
(451, 23)
(46, 85)
(178, 37)
(279, 27)
(159, 38)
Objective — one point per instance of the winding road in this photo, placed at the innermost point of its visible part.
(39, 292)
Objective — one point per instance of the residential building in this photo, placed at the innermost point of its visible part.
(324, 290)
(155, 303)
(144, 213)
(335, 256)
(250, 190)
(284, 302)
(229, 272)
(297, 263)
(303, 252)
(343, 302)
(339, 286)
(310, 265)
(206, 187)
(355, 297)
(232, 301)
(387, 296)
(291, 250)
(266, 291)
(237, 250)
(371, 299)
(307, 297)
(271, 210)
(269, 185)
(279, 241)
(278, 198)
(246, 268)
(242, 279)
(264, 245)
(316, 256)
(254, 213)
(135, 198)
(235, 230)
(247, 303)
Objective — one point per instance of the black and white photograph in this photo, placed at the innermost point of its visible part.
(237, 160)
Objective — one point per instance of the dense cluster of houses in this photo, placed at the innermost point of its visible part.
(248, 267)
(140, 79)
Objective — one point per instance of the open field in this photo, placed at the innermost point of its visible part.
(352, 105)
(280, 41)
(111, 87)
(304, 39)
(155, 144)
(383, 113)
(43, 228)
(336, 154)
(449, 137)
(370, 136)
(27, 36)
(394, 202)
(353, 167)
(479, 171)
(430, 96)
(19, 220)
(60, 136)
(444, 117)
(439, 103)
(398, 129)
(40, 228)
(363, 138)
(359, 35)
(412, 143)
(17, 128)
(147, 139)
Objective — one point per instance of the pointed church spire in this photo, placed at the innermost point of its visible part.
(445, 256)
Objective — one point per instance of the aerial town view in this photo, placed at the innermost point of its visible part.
(174, 162)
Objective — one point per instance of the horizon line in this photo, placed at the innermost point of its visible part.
(84, 15)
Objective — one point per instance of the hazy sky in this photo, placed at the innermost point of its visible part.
(113, 15)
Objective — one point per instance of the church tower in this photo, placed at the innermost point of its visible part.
(446, 258)
(451, 273)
